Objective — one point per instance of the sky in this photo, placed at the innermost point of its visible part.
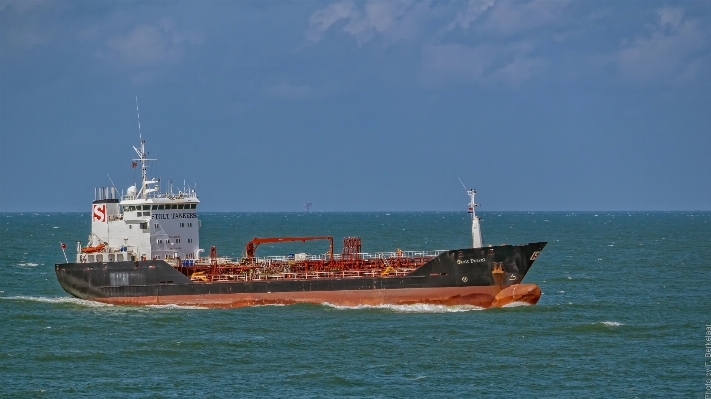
(543, 105)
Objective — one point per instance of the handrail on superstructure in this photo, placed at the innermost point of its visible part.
(251, 246)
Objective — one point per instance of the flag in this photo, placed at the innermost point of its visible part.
(134, 164)
(65, 254)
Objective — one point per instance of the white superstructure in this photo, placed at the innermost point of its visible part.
(144, 223)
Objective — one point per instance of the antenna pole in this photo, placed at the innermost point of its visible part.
(138, 115)
(112, 182)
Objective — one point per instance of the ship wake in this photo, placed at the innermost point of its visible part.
(413, 308)
(74, 301)
(171, 306)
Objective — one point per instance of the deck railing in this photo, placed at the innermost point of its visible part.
(324, 257)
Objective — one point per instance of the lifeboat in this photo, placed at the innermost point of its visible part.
(91, 250)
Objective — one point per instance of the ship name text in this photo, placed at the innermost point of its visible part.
(461, 262)
(174, 216)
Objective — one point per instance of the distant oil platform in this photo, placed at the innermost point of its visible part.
(308, 206)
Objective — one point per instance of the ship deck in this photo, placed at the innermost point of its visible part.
(303, 267)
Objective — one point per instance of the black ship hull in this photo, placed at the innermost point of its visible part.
(485, 277)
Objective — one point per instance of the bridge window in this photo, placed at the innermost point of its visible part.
(190, 240)
(190, 225)
(182, 224)
(161, 207)
(154, 207)
(144, 225)
(193, 206)
(181, 206)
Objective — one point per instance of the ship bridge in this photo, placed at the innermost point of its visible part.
(144, 224)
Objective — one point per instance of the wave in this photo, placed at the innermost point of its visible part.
(28, 264)
(91, 304)
(75, 301)
(414, 308)
(611, 323)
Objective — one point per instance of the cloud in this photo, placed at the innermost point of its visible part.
(475, 8)
(23, 6)
(147, 44)
(668, 52)
(453, 63)
(493, 53)
(20, 27)
(400, 20)
(393, 20)
(322, 19)
(508, 17)
(485, 51)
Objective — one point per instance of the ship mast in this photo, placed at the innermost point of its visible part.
(476, 228)
(144, 161)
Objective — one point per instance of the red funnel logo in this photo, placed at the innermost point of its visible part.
(99, 213)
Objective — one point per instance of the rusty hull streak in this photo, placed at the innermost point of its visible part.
(481, 296)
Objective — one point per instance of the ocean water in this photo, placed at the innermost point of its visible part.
(626, 298)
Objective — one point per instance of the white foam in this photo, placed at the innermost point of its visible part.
(174, 306)
(267, 304)
(516, 304)
(30, 264)
(75, 301)
(414, 308)
(611, 324)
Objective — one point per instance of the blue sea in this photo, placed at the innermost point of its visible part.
(626, 298)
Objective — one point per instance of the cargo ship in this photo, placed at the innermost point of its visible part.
(144, 249)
